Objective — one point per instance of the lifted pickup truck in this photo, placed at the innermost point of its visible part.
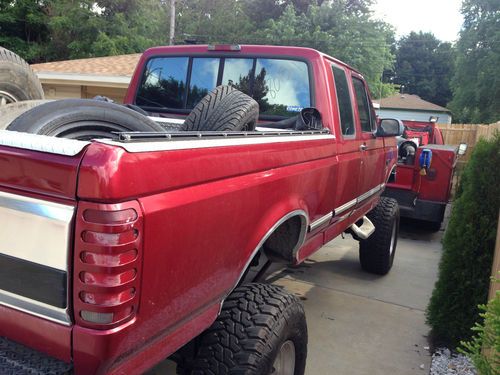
(119, 250)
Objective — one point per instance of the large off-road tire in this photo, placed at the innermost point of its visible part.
(260, 331)
(17, 80)
(10, 112)
(223, 109)
(82, 119)
(376, 254)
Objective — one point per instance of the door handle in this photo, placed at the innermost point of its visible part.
(363, 147)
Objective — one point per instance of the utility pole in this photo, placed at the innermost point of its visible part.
(172, 22)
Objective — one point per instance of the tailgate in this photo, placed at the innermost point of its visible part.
(37, 203)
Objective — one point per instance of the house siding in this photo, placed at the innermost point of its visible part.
(443, 117)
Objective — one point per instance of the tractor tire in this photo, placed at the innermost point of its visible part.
(18, 82)
(223, 109)
(82, 119)
(376, 253)
(261, 330)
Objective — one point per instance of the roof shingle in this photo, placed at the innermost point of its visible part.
(122, 65)
(410, 102)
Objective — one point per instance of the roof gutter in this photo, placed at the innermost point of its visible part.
(84, 79)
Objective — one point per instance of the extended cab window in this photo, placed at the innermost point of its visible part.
(344, 100)
(363, 106)
(163, 83)
(281, 87)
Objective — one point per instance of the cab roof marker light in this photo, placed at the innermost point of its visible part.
(224, 47)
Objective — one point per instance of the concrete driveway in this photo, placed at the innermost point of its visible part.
(358, 323)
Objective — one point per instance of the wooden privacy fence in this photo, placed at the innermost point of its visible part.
(454, 134)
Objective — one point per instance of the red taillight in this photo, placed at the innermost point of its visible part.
(107, 263)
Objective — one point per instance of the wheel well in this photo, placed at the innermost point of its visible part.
(282, 245)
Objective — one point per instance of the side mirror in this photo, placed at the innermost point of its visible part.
(462, 148)
(390, 127)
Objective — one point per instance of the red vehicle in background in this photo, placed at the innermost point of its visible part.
(423, 179)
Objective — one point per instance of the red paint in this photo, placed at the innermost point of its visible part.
(162, 237)
(40, 334)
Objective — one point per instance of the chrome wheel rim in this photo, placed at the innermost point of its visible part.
(284, 364)
(6, 98)
(393, 237)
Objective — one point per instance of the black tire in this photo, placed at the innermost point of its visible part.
(376, 253)
(223, 109)
(255, 322)
(82, 119)
(17, 80)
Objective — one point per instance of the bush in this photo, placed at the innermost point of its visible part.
(484, 348)
(468, 246)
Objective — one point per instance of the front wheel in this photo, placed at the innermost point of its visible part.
(376, 253)
(261, 330)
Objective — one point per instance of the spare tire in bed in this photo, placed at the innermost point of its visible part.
(17, 80)
(223, 109)
(82, 119)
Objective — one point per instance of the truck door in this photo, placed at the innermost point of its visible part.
(348, 144)
(371, 147)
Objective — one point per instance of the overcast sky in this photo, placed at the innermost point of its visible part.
(441, 17)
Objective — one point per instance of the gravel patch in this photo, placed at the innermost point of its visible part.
(446, 363)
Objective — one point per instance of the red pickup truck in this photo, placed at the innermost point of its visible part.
(134, 234)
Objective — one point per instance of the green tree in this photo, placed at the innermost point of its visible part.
(336, 28)
(23, 27)
(424, 65)
(476, 83)
(468, 247)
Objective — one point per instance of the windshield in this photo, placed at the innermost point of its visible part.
(280, 86)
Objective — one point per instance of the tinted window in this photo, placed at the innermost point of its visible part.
(164, 83)
(238, 73)
(362, 103)
(281, 87)
(344, 100)
(203, 79)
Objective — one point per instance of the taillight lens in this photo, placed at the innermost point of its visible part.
(107, 264)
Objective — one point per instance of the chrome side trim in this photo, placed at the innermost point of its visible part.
(44, 143)
(36, 308)
(369, 193)
(167, 120)
(345, 207)
(300, 242)
(35, 230)
(322, 220)
(208, 143)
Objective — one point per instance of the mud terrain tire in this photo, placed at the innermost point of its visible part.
(17, 80)
(376, 253)
(82, 119)
(256, 322)
(223, 109)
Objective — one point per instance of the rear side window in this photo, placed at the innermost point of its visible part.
(163, 83)
(344, 100)
(363, 106)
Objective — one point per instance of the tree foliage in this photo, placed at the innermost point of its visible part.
(476, 84)
(47, 30)
(468, 247)
(424, 65)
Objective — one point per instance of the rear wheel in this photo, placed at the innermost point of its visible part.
(82, 119)
(17, 81)
(376, 253)
(261, 330)
(223, 109)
